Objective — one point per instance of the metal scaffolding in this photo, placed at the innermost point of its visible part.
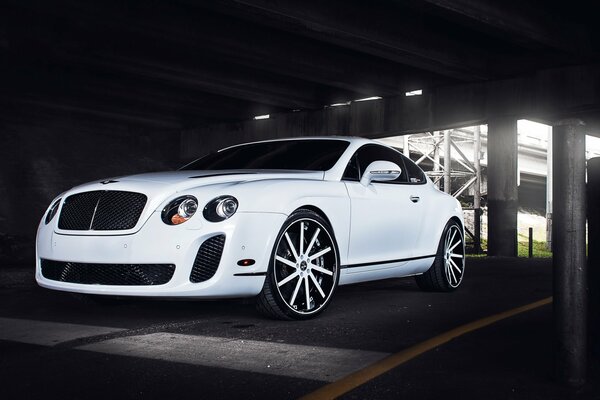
(435, 146)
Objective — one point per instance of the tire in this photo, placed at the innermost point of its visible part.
(447, 271)
(303, 272)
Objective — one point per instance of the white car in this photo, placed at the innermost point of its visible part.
(285, 220)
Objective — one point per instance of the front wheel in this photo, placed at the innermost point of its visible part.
(448, 268)
(303, 271)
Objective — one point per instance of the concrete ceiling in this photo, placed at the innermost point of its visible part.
(184, 63)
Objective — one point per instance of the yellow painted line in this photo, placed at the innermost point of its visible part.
(358, 378)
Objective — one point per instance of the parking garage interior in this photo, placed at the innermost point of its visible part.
(94, 90)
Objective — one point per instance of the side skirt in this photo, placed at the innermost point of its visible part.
(356, 273)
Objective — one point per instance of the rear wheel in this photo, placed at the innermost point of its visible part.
(448, 268)
(304, 269)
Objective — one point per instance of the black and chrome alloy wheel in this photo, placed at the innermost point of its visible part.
(304, 269)
(454, 256)
(448, 268)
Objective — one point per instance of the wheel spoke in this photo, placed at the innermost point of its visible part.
(288, 278)
(292, 248)
(312, 277)
(321, 269)
(452, 238)
(293, 299)
(454, 255)
(287, 262)
(306, 289)
(302, 237)
(320, 253)
(449, 267)
(454, 265)
(454, 245)
(312, 241)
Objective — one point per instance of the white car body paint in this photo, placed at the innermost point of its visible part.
(380, 232)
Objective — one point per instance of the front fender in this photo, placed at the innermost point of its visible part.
(285, 196)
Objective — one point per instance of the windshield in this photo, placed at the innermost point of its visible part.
(308, 155)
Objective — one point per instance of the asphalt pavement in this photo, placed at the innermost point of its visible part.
(55, 345)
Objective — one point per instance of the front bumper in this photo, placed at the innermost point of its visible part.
(247, 236)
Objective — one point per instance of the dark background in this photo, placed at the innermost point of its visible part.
(90, 90)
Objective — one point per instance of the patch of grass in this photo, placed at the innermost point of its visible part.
(539, 248)
(482, 255)
(483, 247)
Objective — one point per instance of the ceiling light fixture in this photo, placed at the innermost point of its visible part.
(369, 98)
(415, 92)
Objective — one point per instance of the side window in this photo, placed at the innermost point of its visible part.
(373, 152)
(415, 174)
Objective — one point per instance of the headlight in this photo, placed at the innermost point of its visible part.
(220, 209)
(52, 211)
(179, 210)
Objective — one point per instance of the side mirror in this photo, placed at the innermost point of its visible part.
(379, 171)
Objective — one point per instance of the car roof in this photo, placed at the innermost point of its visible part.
(352, 139)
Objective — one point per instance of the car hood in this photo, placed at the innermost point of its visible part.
(160, 186)
(175, 177)
(154, 183)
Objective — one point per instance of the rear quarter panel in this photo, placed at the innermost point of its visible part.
(439, 209)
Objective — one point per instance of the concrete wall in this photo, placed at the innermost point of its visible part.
(40, 159)
(330, 121)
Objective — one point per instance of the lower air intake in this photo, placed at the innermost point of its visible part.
(208, 259)
(108, 274)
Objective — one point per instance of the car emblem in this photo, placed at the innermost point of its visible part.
(108, 181)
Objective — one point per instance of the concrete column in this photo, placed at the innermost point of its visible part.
(447, 163)
(549, 191)
(569, 259)
(405, 147)
(477, 188)
(593, 213)
(502, 186)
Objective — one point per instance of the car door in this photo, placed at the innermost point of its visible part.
(385, 216)
(422, 194)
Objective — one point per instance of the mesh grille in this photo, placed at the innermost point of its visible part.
(109, 210)
(118, 211)
(108, 274)
(77, 211)
(208, 259)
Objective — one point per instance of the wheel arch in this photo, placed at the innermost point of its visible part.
(458, 221)
(323, 215)
(437, 226)
(317, 210)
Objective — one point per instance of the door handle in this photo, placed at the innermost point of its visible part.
(415, 199)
